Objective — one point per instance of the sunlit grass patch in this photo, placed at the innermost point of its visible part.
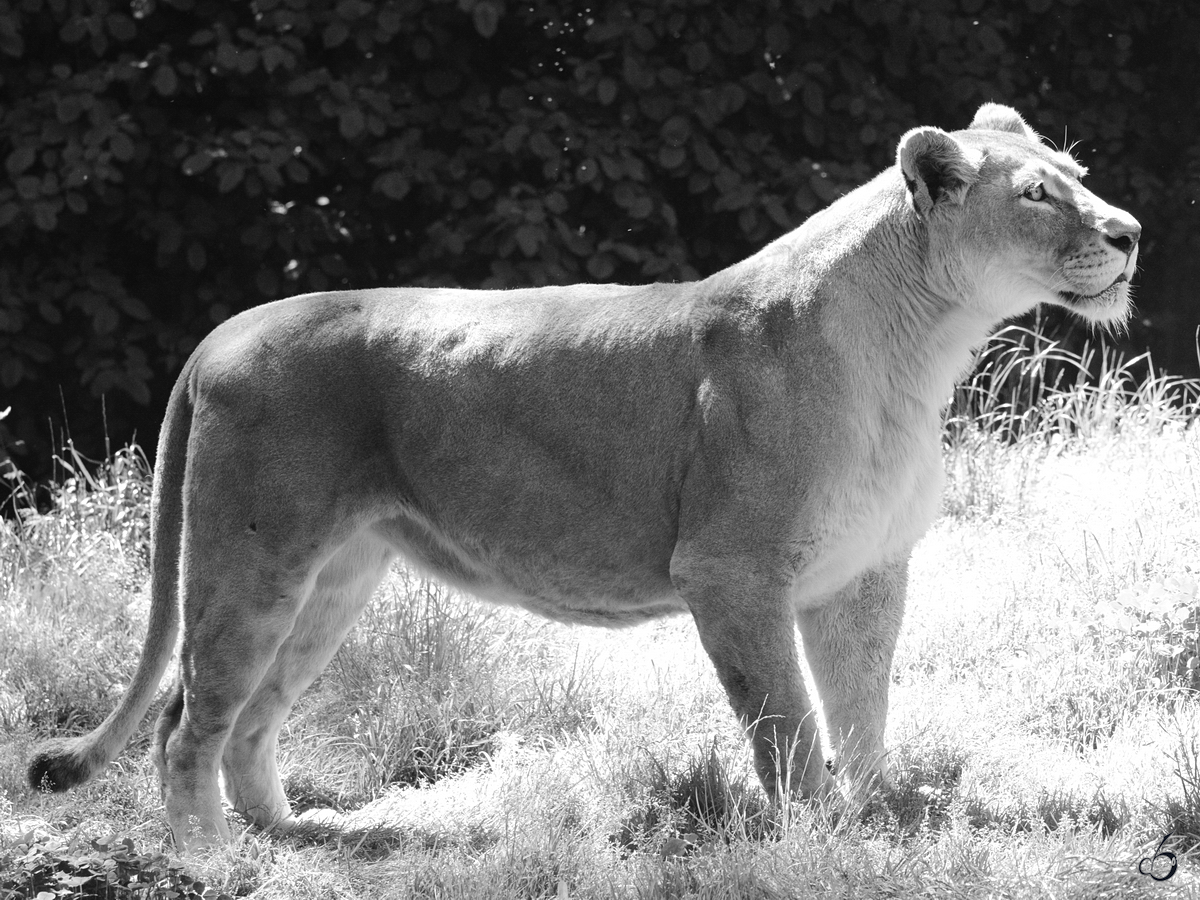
(72, 612)
(421, 690)
(1029, 400)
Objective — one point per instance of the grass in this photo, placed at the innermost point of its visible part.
(1044, 730)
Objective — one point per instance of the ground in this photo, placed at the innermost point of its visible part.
(1044, 729)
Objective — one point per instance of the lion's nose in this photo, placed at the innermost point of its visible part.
(1123, 233)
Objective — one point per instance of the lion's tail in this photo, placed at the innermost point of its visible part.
(65, 762)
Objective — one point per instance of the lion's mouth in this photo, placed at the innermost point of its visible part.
(1110, 294)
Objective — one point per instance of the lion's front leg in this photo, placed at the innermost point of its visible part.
(848, 644)
(747, 627)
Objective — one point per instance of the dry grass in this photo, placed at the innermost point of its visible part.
(1045, 724)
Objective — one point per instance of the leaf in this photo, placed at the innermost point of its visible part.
(671, 157)
(247, 61)
(227, 56)
(731, 98)
(823, 187)
(641, 207)
(530, 238)
(481, 189)
(28, 187)
(74, 30)
(605, 31)
(706, 157)
(139, 391)
(105, 319)
(612, 167)
(515, 137)
(68, 109)
(542, 146)
(740, 198)
(20, 160)
(275, 56)
(777, 212)
(11, 43)
(12, 370)
(636, 73)
(297, 171)
(586, 171)
(134, 308)
(392, 185)
(121, 26)
(675, 131)
(698, 56)
(50, 313)
(606, 91)
(267, 282)
(814, 98)
(196, 256)
(197, 163)
(44, 216)
(351, 123)
(991, 41)
(624, 194)
(486, 16)
(442, 81)
(601, 266)
(165, 81)
(335, 34)
(779, 39)
(1183, 584)
(230, 175)
(122, 146)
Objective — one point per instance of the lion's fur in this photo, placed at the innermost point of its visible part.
(759, 448)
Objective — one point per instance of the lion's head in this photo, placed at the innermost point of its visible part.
(1025, 226)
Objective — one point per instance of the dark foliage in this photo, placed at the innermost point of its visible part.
(35, 867)
(167, 163)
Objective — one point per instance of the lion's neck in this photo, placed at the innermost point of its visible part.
(917, 343)
(880, 312)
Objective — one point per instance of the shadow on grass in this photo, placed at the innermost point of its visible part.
(699, 805)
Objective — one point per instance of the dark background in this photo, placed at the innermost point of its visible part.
(167, 163)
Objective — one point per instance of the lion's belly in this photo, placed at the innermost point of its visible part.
(622, 589)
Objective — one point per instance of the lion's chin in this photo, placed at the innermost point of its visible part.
(1109, 306)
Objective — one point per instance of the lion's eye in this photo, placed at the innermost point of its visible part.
(1035, 192)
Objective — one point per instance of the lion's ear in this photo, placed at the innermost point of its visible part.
(994, 117)
(936, 167)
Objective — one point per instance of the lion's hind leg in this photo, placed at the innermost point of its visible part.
(341, 591)
(235, 618)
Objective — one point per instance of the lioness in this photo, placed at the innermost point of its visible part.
(759, 449)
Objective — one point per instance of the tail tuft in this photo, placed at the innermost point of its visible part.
(61, 764)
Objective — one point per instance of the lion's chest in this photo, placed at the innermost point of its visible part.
(875, 501)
